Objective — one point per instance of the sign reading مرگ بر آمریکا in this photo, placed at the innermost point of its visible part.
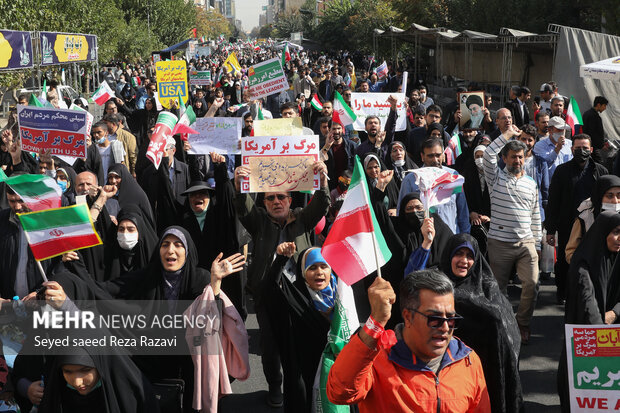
(62, 131)
(266, 78)
(280, 163)
(376, 104)
(15, 50)
(593, 361)
(67, 48)
(171, 81)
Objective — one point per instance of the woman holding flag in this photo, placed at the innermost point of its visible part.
(302, 310)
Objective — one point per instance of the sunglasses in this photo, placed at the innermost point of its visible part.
(434, 321)
(271, 198)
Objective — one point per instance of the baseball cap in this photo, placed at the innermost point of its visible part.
(558, 123)
(546, 87)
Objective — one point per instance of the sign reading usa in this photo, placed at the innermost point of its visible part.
(62, 131)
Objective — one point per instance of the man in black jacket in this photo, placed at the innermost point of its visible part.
(593, 125)
(518, 107)
(572, 183)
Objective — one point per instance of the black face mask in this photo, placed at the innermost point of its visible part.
(343, 187)
(581, 155)
(415, 218)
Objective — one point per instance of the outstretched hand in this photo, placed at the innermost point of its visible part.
(221, 268)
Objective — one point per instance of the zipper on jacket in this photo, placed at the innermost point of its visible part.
(438, 398)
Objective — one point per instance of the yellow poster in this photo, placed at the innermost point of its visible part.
(281, 173)
(171, 81)
(71, 48)
(278, 127)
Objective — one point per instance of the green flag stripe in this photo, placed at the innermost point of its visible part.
(54, 218)
(346, 107)
(30, 185)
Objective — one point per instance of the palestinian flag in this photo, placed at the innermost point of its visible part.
(573, 115)
(39, 192)
(453, 150)
(316, 103)
(103, 94)
(188, 118)
(343, 114)
(437, 185)
(355, 244)
(56, 231)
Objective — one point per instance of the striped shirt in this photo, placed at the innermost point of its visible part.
(515, 214)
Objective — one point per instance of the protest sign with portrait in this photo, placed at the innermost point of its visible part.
(471, 105)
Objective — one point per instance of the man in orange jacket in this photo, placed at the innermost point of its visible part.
(423, 369)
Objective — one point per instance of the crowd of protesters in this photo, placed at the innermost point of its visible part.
(529, 182)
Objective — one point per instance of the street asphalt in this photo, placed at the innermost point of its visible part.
(538, 363)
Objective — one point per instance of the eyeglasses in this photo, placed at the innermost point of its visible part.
(280, 197)
(434, 321)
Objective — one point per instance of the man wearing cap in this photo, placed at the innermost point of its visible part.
(555, 150)
(571, 183)
(546, 93)
(269, 226)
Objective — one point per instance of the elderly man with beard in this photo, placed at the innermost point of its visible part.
(515, 232)
(378, 141)
(455, 212)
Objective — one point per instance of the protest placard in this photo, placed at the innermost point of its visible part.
(266, 78)
(472, 110)
(278, 127)
(171, 81)
(199, 78)
(62, 131)
(593, 356)
(219, 135)
(376, 104)
(280, 163)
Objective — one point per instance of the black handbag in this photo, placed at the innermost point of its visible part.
(169, 394)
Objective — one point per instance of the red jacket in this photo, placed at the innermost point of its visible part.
(396, 381)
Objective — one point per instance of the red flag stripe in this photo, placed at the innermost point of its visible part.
(54, 247)
(354, 222)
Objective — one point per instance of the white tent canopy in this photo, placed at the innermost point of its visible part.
(608, 69)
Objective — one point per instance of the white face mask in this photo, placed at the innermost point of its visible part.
(127, 240)
(399, 162)
(479, 162)
(610, 207)
(557, 136)
(422, 96)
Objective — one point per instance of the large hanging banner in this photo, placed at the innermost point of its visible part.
(171, 81)
(15, 50)
(376, 104)
(59, 48)
(266, 78)
(62, 131)
(280, 163)
(593, 356)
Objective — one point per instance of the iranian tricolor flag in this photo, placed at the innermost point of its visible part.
(287, 53)
(316, 103)
(56, 231)
(342, 114)
(344, 324)
(39, 192)
(103, 94)
(187, 119)
(355, 244)
(573, 114)
(437, 185)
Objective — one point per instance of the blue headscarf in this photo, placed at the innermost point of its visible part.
(323, 299)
